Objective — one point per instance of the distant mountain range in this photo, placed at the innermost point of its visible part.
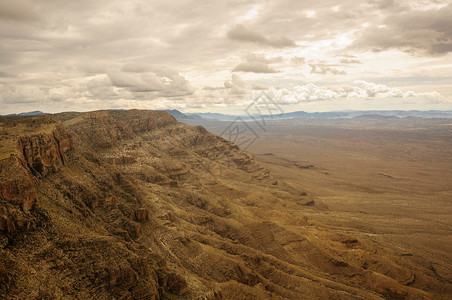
(179, 115)
(333, 114)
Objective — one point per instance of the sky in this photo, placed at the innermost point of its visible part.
(219, 56)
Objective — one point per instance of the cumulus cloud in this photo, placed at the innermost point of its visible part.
(161, 82)
(101, 88)
(143, 82)
(20, 94)
(359, 90)
(237, 93)
(243, 34)
(257, 63)
(237, 85)
(379, 90)
(32, 94)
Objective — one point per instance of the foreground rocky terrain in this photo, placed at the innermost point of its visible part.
(133, 204)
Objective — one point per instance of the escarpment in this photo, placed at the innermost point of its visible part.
(135, 205)
(46, 152)
(103, 129)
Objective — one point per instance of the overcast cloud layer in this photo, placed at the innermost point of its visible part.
(217, 55)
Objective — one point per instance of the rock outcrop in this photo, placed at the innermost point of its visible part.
(46, 152)
(17, 195)
(17, 183)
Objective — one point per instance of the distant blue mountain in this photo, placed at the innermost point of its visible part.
(30, 113)
(216, 116)
(334, 114)
(181, 116)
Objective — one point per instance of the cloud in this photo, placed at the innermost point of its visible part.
(243, 34)
(136, 67)
(259, 87)
(213, 88)
(6, 75)
(237, 85)
(257, 63)
(161, 82)
(384, 4)
(298, 61)
(349, 61)
(144, 82)
(359, 90)
(427, 32)
(321, 68)
(255, 67)
(20, 94)
(94, 68)
(237, 93)
(18, 10)
(371, 89)
(101, 88)
(257, 57)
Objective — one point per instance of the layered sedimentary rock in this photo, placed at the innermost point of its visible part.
(46, 152)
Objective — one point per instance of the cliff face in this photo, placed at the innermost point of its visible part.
(17, 195)
(46, 152)
(103, 129)
(17, 185)
(135, 205)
